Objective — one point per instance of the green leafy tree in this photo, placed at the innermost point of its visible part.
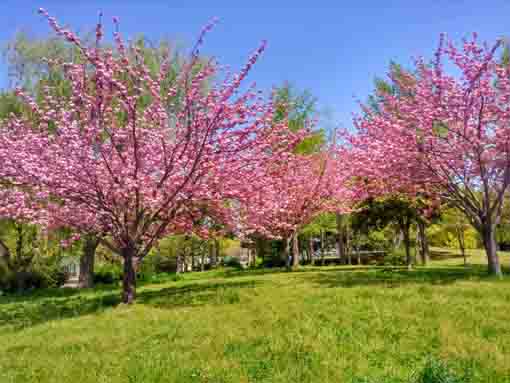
(299, 108)
(319, 228)
(457, 223)
(378, 213)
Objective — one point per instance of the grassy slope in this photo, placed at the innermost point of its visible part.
(332, 324)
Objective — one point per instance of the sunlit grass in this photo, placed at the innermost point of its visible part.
(331, 324)
(474, 257)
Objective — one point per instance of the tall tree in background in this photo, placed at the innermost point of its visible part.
(299, 108)
(399, 84)
(380, 212)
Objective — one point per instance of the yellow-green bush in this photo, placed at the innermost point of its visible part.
(445, 236)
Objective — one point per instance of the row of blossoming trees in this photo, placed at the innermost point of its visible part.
(446, 136)
(128, 157)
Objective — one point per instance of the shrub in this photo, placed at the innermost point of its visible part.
(5, 274)
(274, 260)
(148, 271)
(161, 263)
(177, 277)
(377, 380)
(231, 262)
(443, 235)
(437, 371)
(41, 273)
(396, 257)
(434, 371)
(107, 274)
(50, 271)
(374, 240)
(157, 278)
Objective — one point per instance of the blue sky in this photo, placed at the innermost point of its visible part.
(332, 48)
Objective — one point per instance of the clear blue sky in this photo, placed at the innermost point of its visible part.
(332, 48)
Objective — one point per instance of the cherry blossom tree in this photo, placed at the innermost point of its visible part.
(293, 193)
(449, 135)
(130, 156)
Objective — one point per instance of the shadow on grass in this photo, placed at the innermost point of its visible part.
(236, 273)
(19, 312)
(307, 269)
(18, 315)
(48, 293)
(391, 277)
(195, 294)
(64, 292)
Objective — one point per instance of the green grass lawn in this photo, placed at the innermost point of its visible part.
(331, 324)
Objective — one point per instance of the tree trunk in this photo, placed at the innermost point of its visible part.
(310, 250)
(214, 257)
(19, 241)
(86, 277)
(423, 243)
(340, 242)
(260, 250)
(323, 244)
(5, 253)
(286, 252)
(185, 263)
(489, 243)
(417, 250)
(459, 231)
(295, 251)
(217, 246)
(463, 252)
(348, 246)
(128, 276)
(248, 258)
(407, 245)
(398, 239)
(179, 264)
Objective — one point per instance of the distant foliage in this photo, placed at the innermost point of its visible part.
(442, 235)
